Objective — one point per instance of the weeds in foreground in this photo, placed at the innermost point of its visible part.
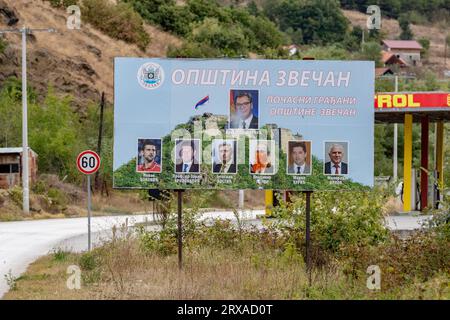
(11, 280)
(226, 260)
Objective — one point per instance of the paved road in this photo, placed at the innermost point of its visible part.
(23, 242)
(406, 223)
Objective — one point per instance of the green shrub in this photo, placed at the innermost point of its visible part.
(371, 51)
(163, 243)
(57, 197)
(212, 30)
(175, 19)
(16, 195)
(88, 261)
(337, 219)
(118, 21)
(321, 22)
(59, 255)
(40, 187)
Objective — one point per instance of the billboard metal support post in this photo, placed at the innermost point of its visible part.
(180, 236)
(241, 199)
(308, 235)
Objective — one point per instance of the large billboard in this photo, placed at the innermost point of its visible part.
(243, 124)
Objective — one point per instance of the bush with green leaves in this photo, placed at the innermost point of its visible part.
(321, 22)
(371, 51)
(118, 21)
(212, 30)
(57, 133)
(16, 195)
(338, 219)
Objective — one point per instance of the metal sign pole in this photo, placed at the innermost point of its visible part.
(180, 236)
(89, 210)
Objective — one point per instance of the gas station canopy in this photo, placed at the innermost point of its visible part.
(422, 107)
(391, 107)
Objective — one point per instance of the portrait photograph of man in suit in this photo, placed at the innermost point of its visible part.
(337, 153)
(187, 154)
(243, 109)
(262, 160)
(299, 157)
(224, 156)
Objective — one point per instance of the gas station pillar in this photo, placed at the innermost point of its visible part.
(407, 166)
(440, 153)
(424, 163)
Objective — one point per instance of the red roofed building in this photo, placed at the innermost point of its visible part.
(383, 71)
(408, 51)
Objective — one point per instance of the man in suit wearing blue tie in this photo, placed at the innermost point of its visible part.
(336, 166)
(244, 117)
(299, 155)
(186, 163)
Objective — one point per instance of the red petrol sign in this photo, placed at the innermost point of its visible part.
(412, 100)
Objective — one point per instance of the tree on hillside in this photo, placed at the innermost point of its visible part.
(320, 21)
(372, 51)
(407, 33)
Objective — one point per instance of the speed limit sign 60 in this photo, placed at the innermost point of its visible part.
(88, 162)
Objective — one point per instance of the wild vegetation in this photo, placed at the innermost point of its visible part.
(224, 260)
(119, 21)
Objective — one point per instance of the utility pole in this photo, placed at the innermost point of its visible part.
(100, 134)
(395, 173)
(25, 170)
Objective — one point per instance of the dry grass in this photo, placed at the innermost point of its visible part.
(130, 274)
(219, 267)
(393, 205)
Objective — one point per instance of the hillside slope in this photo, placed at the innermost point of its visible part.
(76, 62)
(391, 28)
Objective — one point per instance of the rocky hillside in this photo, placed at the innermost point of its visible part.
(76, 62)
(80, 62)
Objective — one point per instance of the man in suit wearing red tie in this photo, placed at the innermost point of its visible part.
(336, 166)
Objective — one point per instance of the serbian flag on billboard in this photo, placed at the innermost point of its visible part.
(202, 102)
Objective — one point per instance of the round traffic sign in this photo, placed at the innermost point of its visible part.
(88, 162)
